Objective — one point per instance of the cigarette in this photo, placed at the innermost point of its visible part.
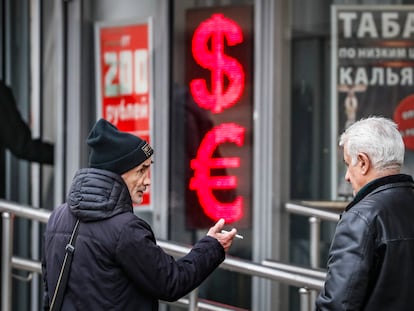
(237, 235)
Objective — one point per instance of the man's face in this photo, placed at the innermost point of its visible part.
(137, 180)
(354, 174)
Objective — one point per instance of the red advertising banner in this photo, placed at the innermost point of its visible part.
(123, 80)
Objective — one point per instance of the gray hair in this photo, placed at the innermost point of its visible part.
(378, 138)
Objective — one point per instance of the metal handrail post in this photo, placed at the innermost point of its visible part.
(7, 251)
(315, 257)
(193, 300)
(305, 304)
(315, 235)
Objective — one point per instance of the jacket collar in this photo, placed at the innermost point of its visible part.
(376, 183)
(97, 194)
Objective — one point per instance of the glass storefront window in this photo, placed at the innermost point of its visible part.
(312, 103)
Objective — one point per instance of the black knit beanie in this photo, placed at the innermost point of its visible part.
(114, 150)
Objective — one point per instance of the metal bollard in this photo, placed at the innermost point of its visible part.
(193, 300)
(305, 303)
(6, 267)
(315, 258)
(315, 236)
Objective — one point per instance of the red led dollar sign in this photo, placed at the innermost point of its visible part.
(203, 183)
(215, 30)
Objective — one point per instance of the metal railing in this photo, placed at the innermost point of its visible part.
(316, 211)
(292, 275)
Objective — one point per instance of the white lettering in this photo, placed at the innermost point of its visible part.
(367, 26)
(409, 114)
(391, 77)
(377, 24)
(111, 89)
(141, 71)
(407, 76)
(345, 76)
(409, 132)
(390, 27)
(361, 76)
(409, 25)
(377, 75)
(347, 19)
(125, 72)
(367, 53)
(347, 53)
(127, 112)
(131, 70)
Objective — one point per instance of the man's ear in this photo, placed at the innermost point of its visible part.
(364, 163)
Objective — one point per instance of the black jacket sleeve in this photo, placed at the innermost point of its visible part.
(159, 274)
(15, 134)
(349, 265)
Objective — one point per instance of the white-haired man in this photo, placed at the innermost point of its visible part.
(370, 264)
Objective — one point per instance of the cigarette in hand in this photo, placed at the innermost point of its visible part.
(237, 235)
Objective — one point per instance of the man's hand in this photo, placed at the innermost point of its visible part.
(225, 239)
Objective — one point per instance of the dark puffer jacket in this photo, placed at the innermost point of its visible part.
(371, 261)
(117, 264)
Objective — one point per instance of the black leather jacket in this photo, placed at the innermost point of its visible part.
(371, 260)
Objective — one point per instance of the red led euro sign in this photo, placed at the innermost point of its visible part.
(203, 183)
(215, 30)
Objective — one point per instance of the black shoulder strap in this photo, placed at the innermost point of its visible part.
(62, 281)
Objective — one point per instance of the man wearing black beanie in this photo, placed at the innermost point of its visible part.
(116, 263)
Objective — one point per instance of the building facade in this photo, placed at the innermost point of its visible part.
(242, 101)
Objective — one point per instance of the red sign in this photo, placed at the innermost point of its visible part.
(404, 117)
(203, 183)
(220, 30)
(219, 113)
(124, 87)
